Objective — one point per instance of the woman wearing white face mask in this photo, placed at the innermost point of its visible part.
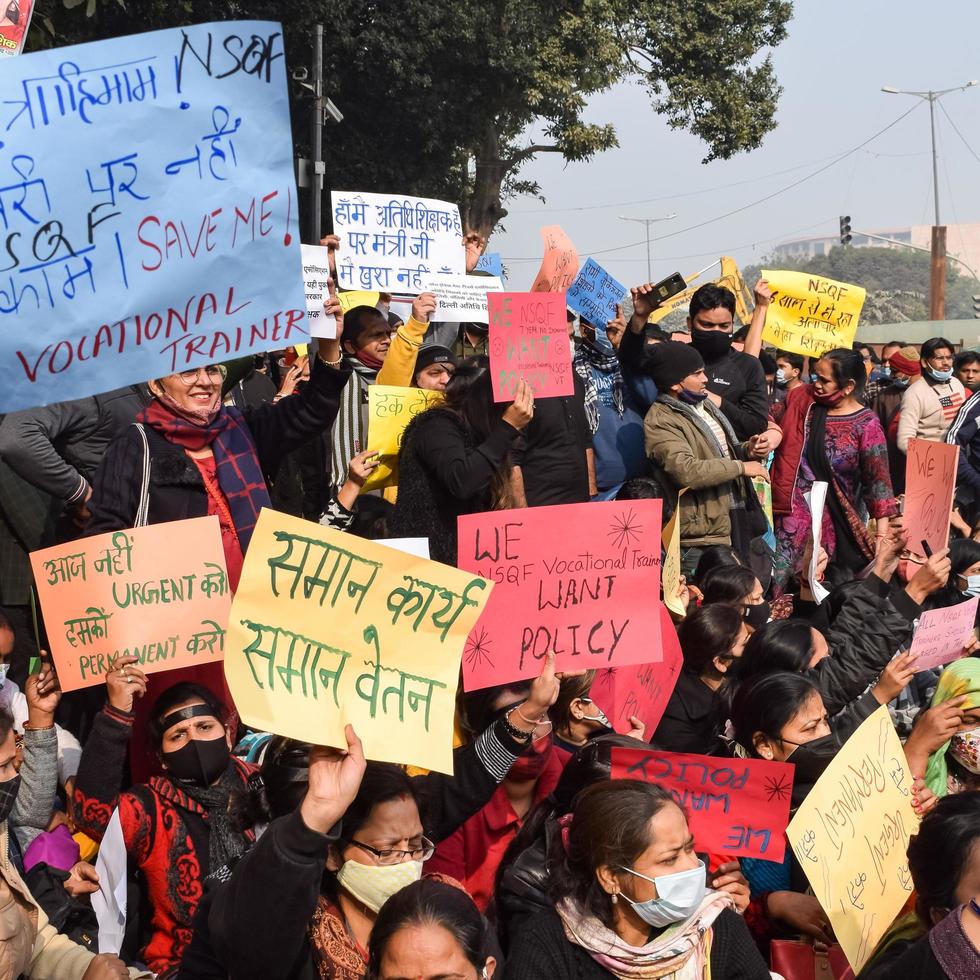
(631, 899)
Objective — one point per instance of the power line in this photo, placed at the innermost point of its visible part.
(958, 133)
(751, 204)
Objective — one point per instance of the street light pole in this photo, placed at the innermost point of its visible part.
(937, 286)
(646, 222)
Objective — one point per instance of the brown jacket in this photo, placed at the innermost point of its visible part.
(684, 449)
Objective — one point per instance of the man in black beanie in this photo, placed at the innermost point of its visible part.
(434, 366)
(692, 444)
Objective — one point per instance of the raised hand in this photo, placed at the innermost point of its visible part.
(334, 778)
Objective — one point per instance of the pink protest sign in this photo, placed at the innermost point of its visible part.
(930, 478)
(642, 690)
(529, 340)
(943, 633)
(559, 267)
(736, 807)
(581, 580)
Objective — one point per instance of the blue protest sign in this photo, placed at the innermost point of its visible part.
(148, 206)
(594, 295)
(491, 262)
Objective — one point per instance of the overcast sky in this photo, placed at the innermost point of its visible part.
(832, 65)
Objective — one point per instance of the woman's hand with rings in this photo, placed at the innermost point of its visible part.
(125, 683)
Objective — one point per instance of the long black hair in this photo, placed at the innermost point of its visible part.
(939, 853)
(784, 644)
(766, 704)
(431, 903)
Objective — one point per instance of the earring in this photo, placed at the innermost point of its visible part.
(615, 898)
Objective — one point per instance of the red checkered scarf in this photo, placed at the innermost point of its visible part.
(236, 460)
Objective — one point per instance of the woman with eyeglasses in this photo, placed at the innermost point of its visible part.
(189, 455)
(473, 852)
(342, 837)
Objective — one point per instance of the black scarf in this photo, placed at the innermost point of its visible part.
(226, 842)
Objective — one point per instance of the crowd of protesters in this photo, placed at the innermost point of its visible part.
(252, 855)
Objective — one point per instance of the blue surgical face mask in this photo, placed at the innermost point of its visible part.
(886, 371)
(680, 895)
(692, 397)
(901, 382)
(972, 585)
(940, 375)
(780, 376)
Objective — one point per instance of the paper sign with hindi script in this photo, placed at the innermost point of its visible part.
(391, 242)
(461, 299)
(159, 593)
(329, 629)
(641, 690)
(390, 409)
(560, 264)
(738, 807)
(930, 481)
(595, 295)
(161, 167)
(810, 314)
(580, 580)
(851, 835)
(941, 634)
(529, 340)
(316, 272)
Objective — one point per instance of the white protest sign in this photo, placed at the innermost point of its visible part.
(391, 242)
(461, 299)
(316, 271)
(816, 500)
(941, 634)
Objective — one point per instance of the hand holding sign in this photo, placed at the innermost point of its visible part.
(334, 777)
(521, 410)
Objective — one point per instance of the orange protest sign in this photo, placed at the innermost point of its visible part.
(159, 593)
(560, 264)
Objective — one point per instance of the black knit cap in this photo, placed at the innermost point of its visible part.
(670, 363)
(433, 354)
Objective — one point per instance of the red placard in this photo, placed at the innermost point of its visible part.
(737, 807)
(559, 267)
(582, 580)
(529, 340)
(930, 479)
(641, 690)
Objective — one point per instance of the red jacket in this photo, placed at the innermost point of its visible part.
(787, 462)
(166, 834)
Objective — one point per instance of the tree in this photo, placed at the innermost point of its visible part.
(440, 96)
(896, 280)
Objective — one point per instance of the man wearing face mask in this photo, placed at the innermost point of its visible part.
(30, 946)
(736, 382)
(176, 827)
(931, 403)
(692, 442)
(886, 403)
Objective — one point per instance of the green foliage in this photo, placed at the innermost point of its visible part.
(440, 96)
(896, 279)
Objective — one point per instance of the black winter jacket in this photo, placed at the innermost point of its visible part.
(443, 473)
(259, 921)
(176, 488)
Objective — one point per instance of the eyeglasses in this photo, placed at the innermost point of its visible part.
(391, 855)
(212, 372)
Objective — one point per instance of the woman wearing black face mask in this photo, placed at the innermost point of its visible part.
(176, 827)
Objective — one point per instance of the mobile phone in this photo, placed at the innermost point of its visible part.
(669, 287)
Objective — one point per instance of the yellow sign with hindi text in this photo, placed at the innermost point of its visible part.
(390, 409)
(670, 576)
(851, 836)
(328, 629)
(811, 314)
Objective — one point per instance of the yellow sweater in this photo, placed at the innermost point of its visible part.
(399, 366)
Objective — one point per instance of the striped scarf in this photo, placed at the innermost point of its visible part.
(349, 434)
(236, 459)
(588, 359)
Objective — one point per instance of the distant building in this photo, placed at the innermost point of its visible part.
(963, 241)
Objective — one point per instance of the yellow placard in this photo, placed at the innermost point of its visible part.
(357, 297)
(811, 314)
(670, 576)
(328, 629)
(390, 409)
(851, 836)
(302, 350)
